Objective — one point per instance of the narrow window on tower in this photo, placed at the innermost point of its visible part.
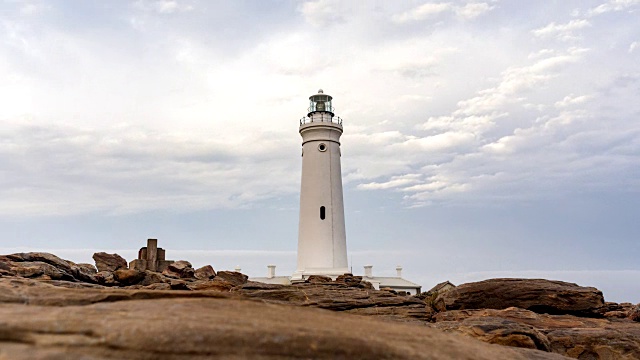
(321, 212)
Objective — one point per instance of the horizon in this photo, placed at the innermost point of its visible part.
(480, 137)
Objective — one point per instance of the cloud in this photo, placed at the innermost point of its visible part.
(52, 170)
(163, 6)
(472, 10)
(572, 100)
(634, 45)
(563, 32)
(321, 12)
(613, 5)
(422, 12)
(428, 10)
(394, 182)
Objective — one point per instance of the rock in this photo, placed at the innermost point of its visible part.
(224, 328)
(318, 279)
(366, 285)
(47, 258)
(84, 272)
(407, 313)
(634, 314)
(349, 280)
(568, 335)
(330, 297)
(178, 285)
(538, 295)
(152, 277)
(32, 269)
(205, 272)
(128, 277)
(179, 269)
(158, 286)
(233, 277)
(496, 330)
(37, 292)
(105, 278)
(109, 262)
(213, 285)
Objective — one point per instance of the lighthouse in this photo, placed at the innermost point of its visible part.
(322, 243)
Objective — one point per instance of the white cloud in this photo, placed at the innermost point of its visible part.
(634, 45)
(422, 12)
(563, 32)
(163, 6)
(572, 100)
(394, 182)
(428, 10)
(321, 12)
(472, 10)
(613, 5)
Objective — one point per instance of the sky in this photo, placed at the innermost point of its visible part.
(481, 138)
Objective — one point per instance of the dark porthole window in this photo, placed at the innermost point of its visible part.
(322, 147)
(322, 213)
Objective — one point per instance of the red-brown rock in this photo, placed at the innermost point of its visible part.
(109, 262)
(538, 295)
(204, 273)
(233, 277)
(179, 269)
(128, 277)
(225, 329)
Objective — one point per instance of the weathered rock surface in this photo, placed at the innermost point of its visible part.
(224, 328)
(128, 276)
(572, 336)
(109, 262)
(538, 295)
(180, 269)
(204, 273)
(233, 277)
(44, 279)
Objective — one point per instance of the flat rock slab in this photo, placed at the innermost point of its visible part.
(576, 337)
(224, 328)
(538, 295)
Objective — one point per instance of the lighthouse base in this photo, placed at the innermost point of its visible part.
(333, 273)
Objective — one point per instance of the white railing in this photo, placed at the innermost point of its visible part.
(323, 118)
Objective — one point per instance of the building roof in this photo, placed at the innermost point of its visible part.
(441, 285)
(392, 282)
(280, 280)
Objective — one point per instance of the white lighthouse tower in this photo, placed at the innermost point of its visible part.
(322, 243)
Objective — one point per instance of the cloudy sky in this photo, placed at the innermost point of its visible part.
(482, 139)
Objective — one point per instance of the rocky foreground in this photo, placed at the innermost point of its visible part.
(51, 308)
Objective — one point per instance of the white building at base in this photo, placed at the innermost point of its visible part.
(322, 243)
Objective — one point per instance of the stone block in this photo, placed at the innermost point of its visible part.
(138, 264)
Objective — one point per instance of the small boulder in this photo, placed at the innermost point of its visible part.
(233, 277)
(128, 277)
(178, 285)
(152, 277)
(318, 279)
(180, 270)
(109, 262)
(205, 272)
(349, 280)
(634, 314)
(105, 278)
(366, 285)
